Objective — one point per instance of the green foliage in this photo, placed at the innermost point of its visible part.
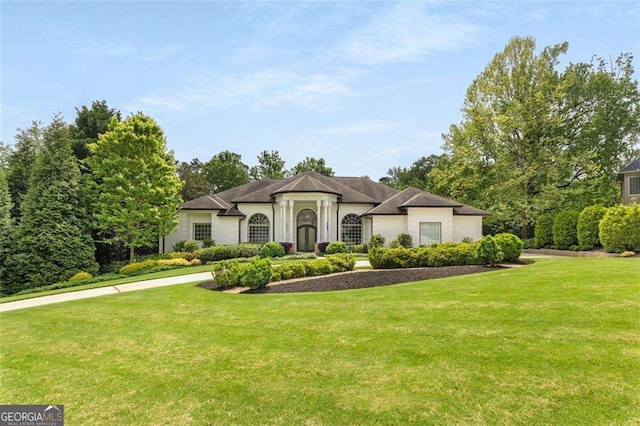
(6, 226)
(588, 223)
(488, 252)
(436, 255)
(194, 183)
(270, 166)
(620, 229)
(333, 263)
(208, 242)
(186, 255)
(342, 262)
(510, 245)
(312, 164)
(228, 273)
(417, 175)
(89, 124)
(358, 248)
(628, 253)
(52, 241)
(136, 267)
(536, 138)
(272, 249)
(336, 247)
(223, 252)
(81, 276)
(402, 240)
(20, 162)
(136, 192)
(565, 229)
(190, 246)
(544, 231)
(377, 240)
(225, 170)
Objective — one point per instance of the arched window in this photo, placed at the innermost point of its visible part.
(352, 229)
(258, 228)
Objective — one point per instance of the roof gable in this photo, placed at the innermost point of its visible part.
(632, 167)
(207, 202)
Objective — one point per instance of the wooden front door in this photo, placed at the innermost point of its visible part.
(306, 238)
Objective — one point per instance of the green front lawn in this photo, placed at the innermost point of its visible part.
(556, 342)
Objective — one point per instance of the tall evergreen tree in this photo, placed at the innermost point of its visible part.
(89, 124)
(5, 226)
(53, 240)
(134, 182)
(19, 164)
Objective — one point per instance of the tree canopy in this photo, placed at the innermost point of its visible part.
(416, 175)
(270, 166)
(134, 182)
(53, 240)
(194, 183)
(225, 170)
(317, 165)
(534, 139)
(89, 124)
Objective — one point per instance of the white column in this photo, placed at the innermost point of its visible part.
(329, 214)
(211, 236)
(319, 236)
(291, 227)
(283, 221)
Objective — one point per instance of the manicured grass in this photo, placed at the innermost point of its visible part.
(556, 342)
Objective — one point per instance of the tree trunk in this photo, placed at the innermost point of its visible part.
(131, 253)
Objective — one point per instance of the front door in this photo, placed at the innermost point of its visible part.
(306, 238)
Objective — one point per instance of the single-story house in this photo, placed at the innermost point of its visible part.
(311, 208)
(630, 181)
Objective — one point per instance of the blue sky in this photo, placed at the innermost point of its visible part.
(365, 85)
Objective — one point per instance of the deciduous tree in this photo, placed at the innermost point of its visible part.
(270, 166)
(194, 183)
(317, 165)
(134, 182)
(225, 170)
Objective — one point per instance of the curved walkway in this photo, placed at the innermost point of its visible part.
(102, 291)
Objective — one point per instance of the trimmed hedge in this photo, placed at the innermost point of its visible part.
(543, 231)
(272, 249)
(446, 254)
(488, 251)
(225, 252)
(510, 245)
(588, 226)
(334, 263)
(186, 245)
(336, 247)
(565, 229)
(401, 240)
(620, 229)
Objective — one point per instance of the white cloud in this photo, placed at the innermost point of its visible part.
(269, 87)
(407, 33)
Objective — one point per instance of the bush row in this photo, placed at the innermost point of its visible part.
(259, 272)
(615, 228)
(489, 250)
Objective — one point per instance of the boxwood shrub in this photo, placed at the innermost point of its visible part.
(543, 231)
(588, 226)
(510, 245)
(488, 251)
(336, 247)
(272, 249)
(225, 252)
(436, 255)
(186, 245)
(332, 263)
(565, 229)
(620, 229)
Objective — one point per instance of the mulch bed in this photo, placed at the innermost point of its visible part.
(569, 253)
(363, 278)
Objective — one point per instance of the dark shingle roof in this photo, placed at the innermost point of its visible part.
(207, 202)
(354, 190)
(634, 166)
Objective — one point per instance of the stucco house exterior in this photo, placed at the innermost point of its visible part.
(311, 208)
(630, 181)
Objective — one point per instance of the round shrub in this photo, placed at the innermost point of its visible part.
(137, 267)
(256, 274)
(336, 247)
(588, 226)
(377, 240)
(620, 229)
(402, 240)
(510, 245)
(186, 245)
(272, 249)
(565, 229)
(543, 231)
(81, 276)
(487, 251)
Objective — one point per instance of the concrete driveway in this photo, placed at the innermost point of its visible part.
(121, 288)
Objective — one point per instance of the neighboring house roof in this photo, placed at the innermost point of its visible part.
(351, 190)
(633, 167)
